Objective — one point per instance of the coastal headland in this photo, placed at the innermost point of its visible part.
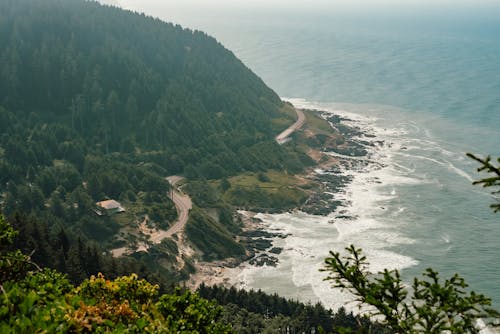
(209, 246)
(330, 144)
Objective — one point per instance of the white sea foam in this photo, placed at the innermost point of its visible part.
(375, 214)
(460, 172)
(311, 237)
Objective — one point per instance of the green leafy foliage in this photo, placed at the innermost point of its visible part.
(44, 301)
(491, 181)
(13, 263)
(432, 306)
(187, 312)
(104, 305)
(7, 233)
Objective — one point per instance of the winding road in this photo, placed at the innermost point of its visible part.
(183, 204)
(284, 136)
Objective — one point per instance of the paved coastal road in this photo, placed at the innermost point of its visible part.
(183, 204)
(284, 136)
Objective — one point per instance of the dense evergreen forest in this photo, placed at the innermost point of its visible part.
(86, 79)
(99, 103)
(257, 312)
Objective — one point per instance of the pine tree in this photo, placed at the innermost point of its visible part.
(491, 181)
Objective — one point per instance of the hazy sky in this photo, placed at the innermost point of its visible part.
(283, 4)
(205, 14)
(301, 2)
(184, 11)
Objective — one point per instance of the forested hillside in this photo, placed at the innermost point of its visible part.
(121, 82)
(99, 103)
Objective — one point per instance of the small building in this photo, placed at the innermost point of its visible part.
(108, 207)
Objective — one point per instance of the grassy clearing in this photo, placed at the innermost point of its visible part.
(269, 190)
(267, 180)
(316, 123)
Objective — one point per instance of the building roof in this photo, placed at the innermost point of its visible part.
(109, 204)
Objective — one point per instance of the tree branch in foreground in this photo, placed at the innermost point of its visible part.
(492, 181)
(433, 306)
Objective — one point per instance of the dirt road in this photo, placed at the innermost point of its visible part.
(285, 135)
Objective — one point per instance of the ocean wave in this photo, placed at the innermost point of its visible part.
(393, 201)
(364, 200)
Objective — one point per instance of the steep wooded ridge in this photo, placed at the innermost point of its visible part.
(123, 82)
(98, 103)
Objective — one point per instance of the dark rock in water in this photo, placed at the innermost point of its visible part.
(276, 250)
(365, 143)
(335, 170)
(335, 119)
(373, 180)
(342, 217)
(264, 259)
(261, 244)
(323, 202)
(349, 131)
(259, 241)
(259, 233)
(352, 150)
(345, 217)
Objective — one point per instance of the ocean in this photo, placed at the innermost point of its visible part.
(426, 83)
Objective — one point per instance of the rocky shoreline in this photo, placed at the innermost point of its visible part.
(345, 148)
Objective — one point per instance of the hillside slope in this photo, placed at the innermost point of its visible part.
(127, 83)
(98, 103)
